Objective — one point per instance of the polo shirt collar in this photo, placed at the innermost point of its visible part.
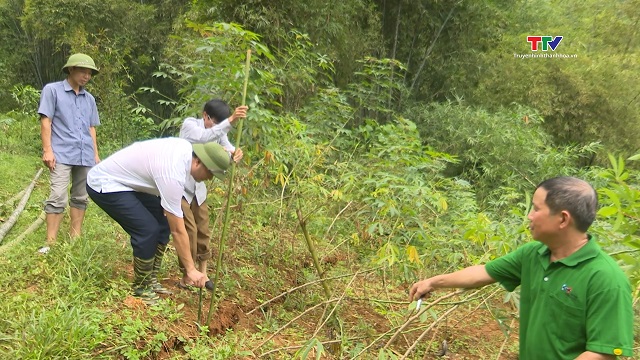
(590, 250)
(67, 87)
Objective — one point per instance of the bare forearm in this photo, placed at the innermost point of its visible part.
(48, 158)
(471, 277)
(181, 243)
(92, 131)
(45, 133)
(590, 355)
(180, 240)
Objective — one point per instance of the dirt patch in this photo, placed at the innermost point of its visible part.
(225, 318)
(133, 303)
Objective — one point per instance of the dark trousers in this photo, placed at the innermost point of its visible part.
(140, 215)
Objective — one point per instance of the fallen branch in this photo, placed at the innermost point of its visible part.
(33, 227)
(399, 329)
(294, 319)
(424, 333)
(335, 307)
(416, 316)
(505, 339)
(14, 217)
(308, 284)
(373, 342)
(294, 347)
(494, 292)
(433, 337)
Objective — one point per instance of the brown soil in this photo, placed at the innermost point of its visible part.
(470, 332)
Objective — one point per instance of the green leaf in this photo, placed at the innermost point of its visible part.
(634, 157)
(607, 211)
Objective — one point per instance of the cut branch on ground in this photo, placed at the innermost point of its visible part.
(33, 227)
(16, 213)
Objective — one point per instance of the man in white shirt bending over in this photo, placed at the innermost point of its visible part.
(141, 188)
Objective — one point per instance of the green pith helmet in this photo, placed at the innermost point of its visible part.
(80, 60)
(214, 157)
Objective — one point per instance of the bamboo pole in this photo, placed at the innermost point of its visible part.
(312, 250)
(33, 227)
(200, 306)
(16, 213)
(225, 227)
(14, 198)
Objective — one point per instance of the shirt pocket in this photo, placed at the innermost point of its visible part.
(568, 313)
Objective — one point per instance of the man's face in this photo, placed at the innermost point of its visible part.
(200, 172)
(542, 223)
(208, 121)
(80, 76)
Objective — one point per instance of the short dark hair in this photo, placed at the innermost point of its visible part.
(576, 196)
(217, 109)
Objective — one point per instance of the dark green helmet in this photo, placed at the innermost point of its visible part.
(80, 60)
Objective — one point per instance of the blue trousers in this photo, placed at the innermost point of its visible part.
(140, 215)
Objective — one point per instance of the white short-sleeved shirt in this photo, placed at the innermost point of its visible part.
(158, 167)
(193, 130)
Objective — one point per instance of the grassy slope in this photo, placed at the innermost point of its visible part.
(74, 303)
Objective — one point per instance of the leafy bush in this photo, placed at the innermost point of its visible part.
(20, 128)
(508, 148)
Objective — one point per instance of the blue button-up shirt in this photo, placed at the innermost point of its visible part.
(71, 117)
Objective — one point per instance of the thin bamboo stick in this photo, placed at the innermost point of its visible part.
(314, 255)
(225, 227)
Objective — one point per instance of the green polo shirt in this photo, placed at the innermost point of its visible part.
(580, 303)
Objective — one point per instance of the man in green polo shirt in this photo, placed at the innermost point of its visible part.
(575, 301)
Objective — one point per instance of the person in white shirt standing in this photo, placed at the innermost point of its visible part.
(141, 188)
(214, 125)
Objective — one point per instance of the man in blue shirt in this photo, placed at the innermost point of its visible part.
(68, 117)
